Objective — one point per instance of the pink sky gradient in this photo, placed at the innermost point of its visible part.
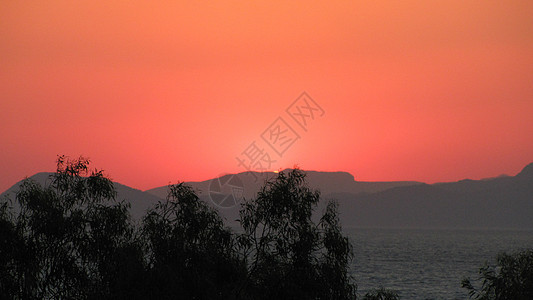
(156, 93)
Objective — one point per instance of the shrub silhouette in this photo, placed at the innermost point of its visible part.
(71, 239)
(381, 294)
(511, 278)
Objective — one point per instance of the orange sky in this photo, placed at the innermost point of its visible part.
(153, 93)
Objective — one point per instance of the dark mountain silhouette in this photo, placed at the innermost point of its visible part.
(527, 172)
(498, 202)
(326, 182)
(501, 202)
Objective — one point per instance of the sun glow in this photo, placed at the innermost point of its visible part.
(411, 90)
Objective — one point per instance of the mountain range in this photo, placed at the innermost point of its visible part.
(503, 202)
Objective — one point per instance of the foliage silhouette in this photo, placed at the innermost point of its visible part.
(511, 278)
(287, 255)
(65, 240)
(381, 294)
(72, 239)
(190, 251)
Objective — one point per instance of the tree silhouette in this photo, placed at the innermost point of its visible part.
(511, 278)
(71, 239)
(190, 250)
(288, 256)
(65, 240)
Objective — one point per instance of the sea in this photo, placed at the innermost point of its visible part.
(427, 264)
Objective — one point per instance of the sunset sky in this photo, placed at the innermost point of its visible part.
(159, 92)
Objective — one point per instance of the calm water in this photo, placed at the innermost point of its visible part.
(427, 264)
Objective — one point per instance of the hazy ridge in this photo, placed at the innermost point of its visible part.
(500, 202)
